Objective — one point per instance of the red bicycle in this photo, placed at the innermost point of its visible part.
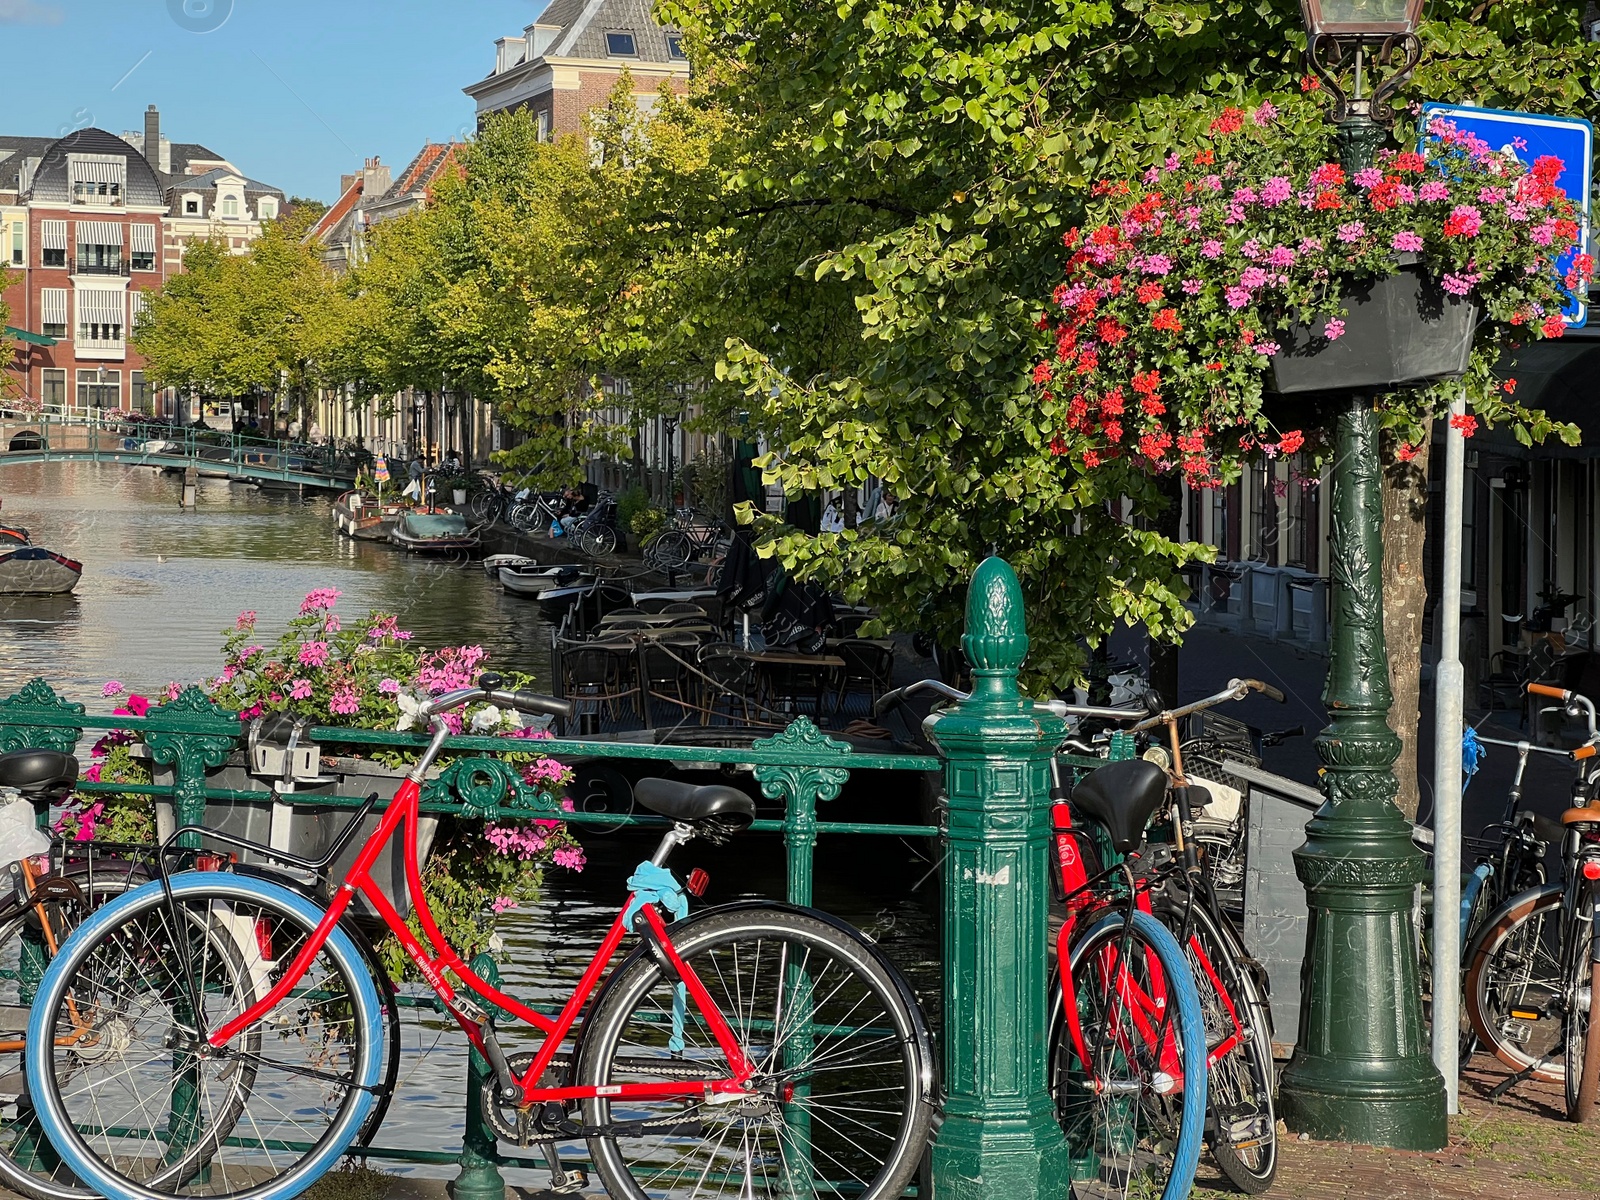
(216, 1033)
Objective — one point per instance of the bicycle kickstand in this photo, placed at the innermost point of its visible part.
(1511, 1081)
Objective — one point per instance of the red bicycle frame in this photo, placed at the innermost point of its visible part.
(1145, 1006)
(402, 814)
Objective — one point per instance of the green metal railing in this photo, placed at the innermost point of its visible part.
(999, 1136)
(110, 439)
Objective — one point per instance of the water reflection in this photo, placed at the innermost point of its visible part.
(159, 583)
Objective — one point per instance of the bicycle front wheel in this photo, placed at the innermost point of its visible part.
(1238, 1023)
(1514, 984)
(671, 551)
(126, 1084)
(841, 1100)
(1127, 1065)
(1582, 1037)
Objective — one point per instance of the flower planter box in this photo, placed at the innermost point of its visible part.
(306, 830)
(1400, 330)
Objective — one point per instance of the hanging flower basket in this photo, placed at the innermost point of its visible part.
(1399, 330)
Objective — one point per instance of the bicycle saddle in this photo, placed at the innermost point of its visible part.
(1583, 814)
(1121, 796)
(36, 772)
(714, 810)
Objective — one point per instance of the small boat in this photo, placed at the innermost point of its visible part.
(29, 570)
(493, 563)
(534, 580)
(433, 533)
(363, 518)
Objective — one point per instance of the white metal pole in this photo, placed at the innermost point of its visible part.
(1448, 685)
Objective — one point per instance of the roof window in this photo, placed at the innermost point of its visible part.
(621, 45)
(675, 47)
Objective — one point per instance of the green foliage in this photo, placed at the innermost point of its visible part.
(630, 503)
(125, 817)
(647, 522)
(704, 481)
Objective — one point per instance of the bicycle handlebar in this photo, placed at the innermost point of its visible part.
(1058, 708)
(1237, 689)
(488, 689)
(1575, 705)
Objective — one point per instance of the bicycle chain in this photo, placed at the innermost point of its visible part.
(525, 1125)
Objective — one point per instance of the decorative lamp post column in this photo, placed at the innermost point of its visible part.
(1000, 1139)
(1361, 1070)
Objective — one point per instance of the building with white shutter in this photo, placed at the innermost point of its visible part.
(88, 225)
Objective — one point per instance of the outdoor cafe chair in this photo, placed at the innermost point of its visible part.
(664, 666)
(868, 670)
(727, 677)
(600, 674)
(683, 607)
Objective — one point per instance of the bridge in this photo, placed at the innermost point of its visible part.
(111, 436)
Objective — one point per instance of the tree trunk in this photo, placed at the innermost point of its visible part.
(1405, 594)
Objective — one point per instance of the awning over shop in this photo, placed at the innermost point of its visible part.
(33, 339)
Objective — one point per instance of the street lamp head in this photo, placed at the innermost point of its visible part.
(1369, 20)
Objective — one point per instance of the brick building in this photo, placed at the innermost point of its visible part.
(89, 223)
(570, 58)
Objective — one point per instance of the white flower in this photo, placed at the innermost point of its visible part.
(410, 710)
(487, 717)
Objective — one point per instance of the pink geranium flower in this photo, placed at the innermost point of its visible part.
(319, 598)
(313, 654)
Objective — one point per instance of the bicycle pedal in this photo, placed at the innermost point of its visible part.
(562, 1181)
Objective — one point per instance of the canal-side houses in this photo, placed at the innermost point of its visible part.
(90, 222)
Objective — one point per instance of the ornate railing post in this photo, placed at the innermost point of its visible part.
(480, 1177)
(192, 734)
(1000, 1138)
(801, 786)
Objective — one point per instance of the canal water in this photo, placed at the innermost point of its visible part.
(159, 587)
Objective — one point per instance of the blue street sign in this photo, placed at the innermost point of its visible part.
(1530, 136)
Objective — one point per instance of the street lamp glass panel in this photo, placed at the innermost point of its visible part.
(1377, 18)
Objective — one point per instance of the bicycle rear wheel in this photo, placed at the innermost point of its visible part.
(841, 1101)
(1582, 1037)
(671, 551)
(1239, 1089)
(1514, 984)
(1127, 1062)
(483, 506)
(28, 1163)
(126, 1086)
(595, 540)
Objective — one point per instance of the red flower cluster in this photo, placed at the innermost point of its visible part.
(1167, 321)
(1465, 423)
(1231, 121)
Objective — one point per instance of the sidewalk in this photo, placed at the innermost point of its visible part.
(1519, 1149)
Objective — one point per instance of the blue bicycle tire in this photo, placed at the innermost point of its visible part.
(365, 1020)
(1188, 1023)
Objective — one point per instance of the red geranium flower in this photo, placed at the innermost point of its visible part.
(1167, 319)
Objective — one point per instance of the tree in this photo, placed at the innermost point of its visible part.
(8, 350)
(934, 156)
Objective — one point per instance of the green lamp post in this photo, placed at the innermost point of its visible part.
(1361, 1069)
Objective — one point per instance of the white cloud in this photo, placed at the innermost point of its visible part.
(29, 12)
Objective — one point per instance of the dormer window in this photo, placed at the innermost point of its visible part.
(675, 47)
(230, 206)
(98, 180)
(267, 207)
(620, 45)
(191, 205)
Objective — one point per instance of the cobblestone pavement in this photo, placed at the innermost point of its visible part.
(1521, 1148)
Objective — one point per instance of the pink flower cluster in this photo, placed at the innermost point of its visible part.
(319, 598)
(448, 669)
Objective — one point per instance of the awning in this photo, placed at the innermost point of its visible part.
(142, 239)
(53, 306)
(97, 168)
(33, 339)
(53, 234)
(99, 233)
(101, 306)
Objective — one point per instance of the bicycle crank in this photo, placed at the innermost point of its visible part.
(521, 1124)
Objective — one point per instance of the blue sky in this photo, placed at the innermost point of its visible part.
(293, 92)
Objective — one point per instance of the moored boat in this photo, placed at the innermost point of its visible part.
(29, 570)
(433, 533)
(361, 517)
(534, 580)
(493, 563)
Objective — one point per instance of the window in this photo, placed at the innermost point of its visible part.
(52, 243)
(621, 45)
(267, 207)
(18, 254)
(53, 313)
(1263, 515)
(1300, 509)
(675, 47)
(100, 317)
(138, 392)
(544, 125)
(99, 387)
(191, 206)
(230, 206)
(98, 180)
(53, 386)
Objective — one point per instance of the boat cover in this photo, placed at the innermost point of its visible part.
(434, 525)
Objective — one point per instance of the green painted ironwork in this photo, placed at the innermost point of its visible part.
(1000, 1138)
(1361, 1070)
(97, 439)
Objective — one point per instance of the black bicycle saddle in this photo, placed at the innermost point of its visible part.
(1122, 796)
(38, 772)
